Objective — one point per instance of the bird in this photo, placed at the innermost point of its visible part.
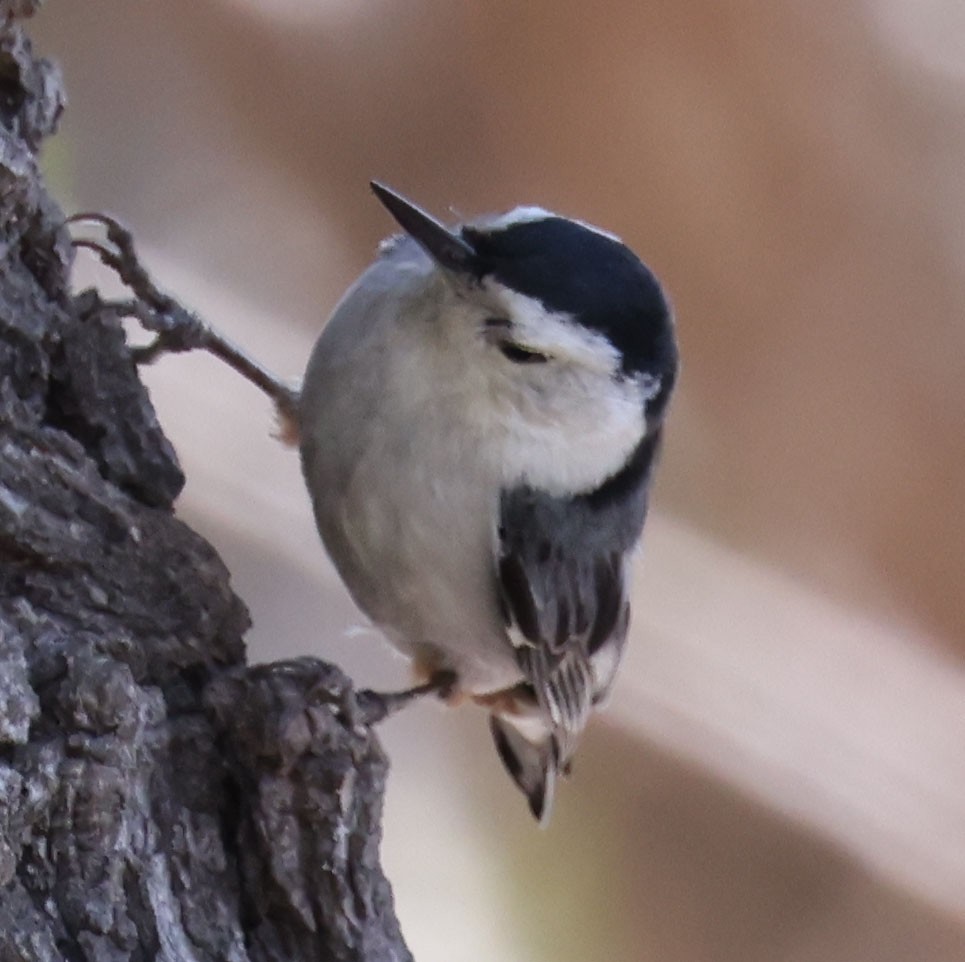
(479, 424)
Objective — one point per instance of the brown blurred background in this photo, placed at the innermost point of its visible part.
(781, 774)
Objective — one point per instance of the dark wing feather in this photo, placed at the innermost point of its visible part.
(561, 571)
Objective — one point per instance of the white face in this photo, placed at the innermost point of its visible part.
(549, 391)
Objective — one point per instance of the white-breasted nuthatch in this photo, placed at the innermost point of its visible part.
(479, 423)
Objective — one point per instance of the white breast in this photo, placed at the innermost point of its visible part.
(404, 499)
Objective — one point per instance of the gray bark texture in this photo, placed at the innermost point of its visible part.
(158, 798)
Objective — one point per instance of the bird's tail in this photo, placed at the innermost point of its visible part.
(532, 760)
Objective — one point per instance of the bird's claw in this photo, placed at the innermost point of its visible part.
(375, 706)
(177, 329)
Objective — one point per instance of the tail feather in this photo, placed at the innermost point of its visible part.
(533, 766)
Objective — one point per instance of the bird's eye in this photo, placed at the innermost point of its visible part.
(497, 323)
(499, 330)
(521, 355)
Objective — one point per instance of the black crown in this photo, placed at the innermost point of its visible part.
(598, 280)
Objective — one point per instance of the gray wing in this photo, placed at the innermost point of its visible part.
(562, 567)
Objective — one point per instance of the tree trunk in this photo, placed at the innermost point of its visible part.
(158, 798)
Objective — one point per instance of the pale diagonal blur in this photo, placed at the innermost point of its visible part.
(780, 774)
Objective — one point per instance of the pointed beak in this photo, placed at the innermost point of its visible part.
(447, 249)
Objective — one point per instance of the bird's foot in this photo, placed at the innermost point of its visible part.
(376, 706)
(176, 329)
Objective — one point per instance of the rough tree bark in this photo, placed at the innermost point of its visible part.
(158, 799)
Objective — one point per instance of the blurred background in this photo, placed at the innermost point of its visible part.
(780, 775)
